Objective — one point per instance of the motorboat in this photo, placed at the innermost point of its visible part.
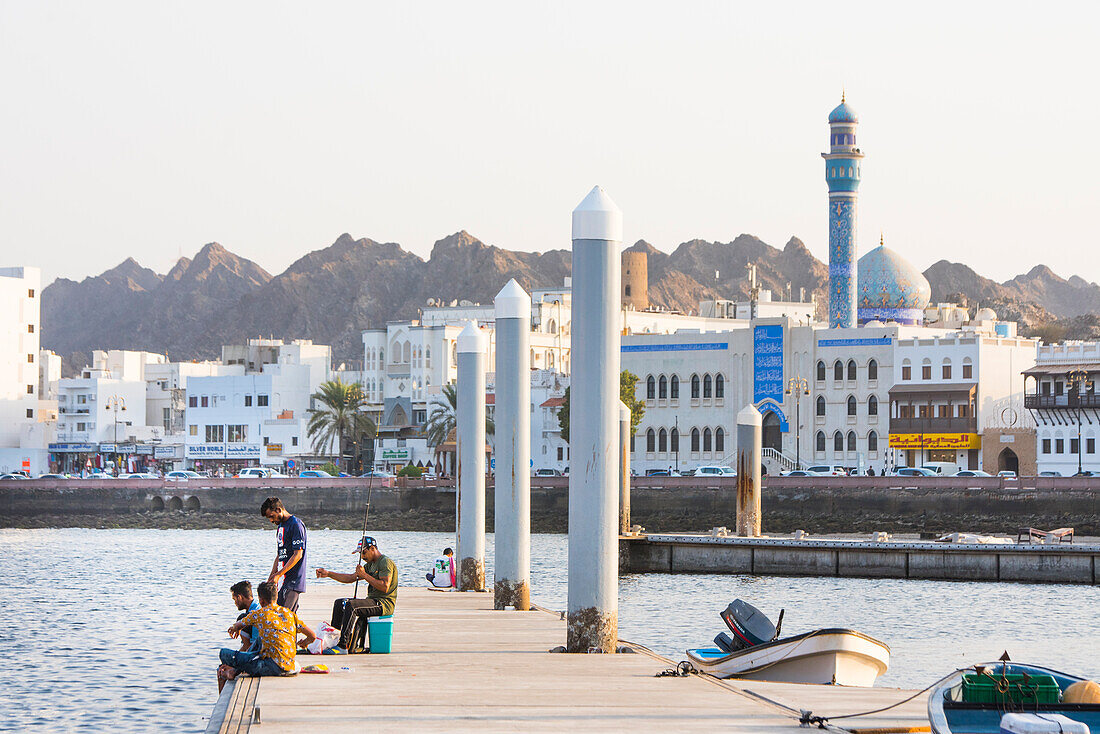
(1005, 696)
(755, 650)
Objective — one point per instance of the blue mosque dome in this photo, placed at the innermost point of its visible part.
(890, 288)
(843, 112)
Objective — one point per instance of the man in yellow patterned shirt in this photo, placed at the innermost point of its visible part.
(276, 628)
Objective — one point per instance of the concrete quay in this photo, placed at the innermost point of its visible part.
(457, 665)
(1076, 563)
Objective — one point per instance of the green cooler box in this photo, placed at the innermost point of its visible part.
(380, 633)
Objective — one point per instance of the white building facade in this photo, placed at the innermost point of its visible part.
(20, 293)
(1061, 397)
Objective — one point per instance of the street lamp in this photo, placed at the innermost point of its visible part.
(1078, 378)
(798, 386)
(116, 403)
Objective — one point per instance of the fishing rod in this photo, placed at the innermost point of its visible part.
(366, 513)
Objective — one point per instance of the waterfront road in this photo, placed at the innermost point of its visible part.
(458, 665)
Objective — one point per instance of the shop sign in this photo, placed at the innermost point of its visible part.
(143, 450)
(956, 441)
(127, 448)
(74, 448)
(274, 448)
(206, 451)
(396, 454)
(108, 448)
(242, 451)
(165, 452)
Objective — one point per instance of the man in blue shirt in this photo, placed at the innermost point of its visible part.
(290, 560)
(245, 603)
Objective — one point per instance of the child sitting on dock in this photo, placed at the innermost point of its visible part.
(277, 629)
(442, 575)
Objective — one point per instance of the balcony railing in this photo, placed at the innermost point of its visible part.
(1065, 400)
(933, 425)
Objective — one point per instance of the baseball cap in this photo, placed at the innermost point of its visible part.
(366, 542)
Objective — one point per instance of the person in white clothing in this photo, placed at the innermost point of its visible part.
(442, 575)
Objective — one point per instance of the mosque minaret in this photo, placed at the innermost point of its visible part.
(842, 173)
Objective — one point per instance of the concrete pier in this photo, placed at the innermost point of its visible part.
(512, 500)
(1064, 564)
(458, 666)
(594, 425)
(470, 437)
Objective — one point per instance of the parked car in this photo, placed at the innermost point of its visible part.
(181, 475)
(376, 474)
(53, 476)
(799, 473)
(828, 470)
(714, 471)
(661, 473)
(972, 473)
(315, 474)
(1049, 473)
(139, 475)
(913, 471)
(547, 473)
(1086, 473)
(940, 468)
(1007, 473)
(100, 475)
(13, 476)
(258, 472)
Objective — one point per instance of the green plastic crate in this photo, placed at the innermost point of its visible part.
(983, 689)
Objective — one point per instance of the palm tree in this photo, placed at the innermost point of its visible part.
(441, 421)
(339, 416)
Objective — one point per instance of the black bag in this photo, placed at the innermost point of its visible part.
(350, 617)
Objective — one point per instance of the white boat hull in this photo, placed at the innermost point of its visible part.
(831, 656)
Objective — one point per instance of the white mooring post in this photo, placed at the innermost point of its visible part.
(470, 437)
(624, 468)
(593, 610)
(748, 472)
(512, 496)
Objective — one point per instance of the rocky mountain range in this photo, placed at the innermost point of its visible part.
(331, 294)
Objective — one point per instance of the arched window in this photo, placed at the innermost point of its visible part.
(852, 405)
(872, 370)
(820, 371)
(852, 370)
(695, 439)
(674, 441)
(651, 440)
(406, 352)
(719, 386)
(719, 440)
(395, 351)
(968, 369)
(381, 358)
(706, 386)
(906, 370)
(819, 442)
(662, 440)
(838, 371)
(650, 388)
(550, 360)
(552, 326)
(872, 405)
(674, 388)
(695, 387)
(820, 405)
(926, 369)
(706, 439)
(838, 442)
(662, 387)
(852, 441)
(428, 357)
(946, 369)
(872, 443)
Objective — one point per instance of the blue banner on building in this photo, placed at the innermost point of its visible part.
(767, 362)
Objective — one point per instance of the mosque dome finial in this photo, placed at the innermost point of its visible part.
(843, 112)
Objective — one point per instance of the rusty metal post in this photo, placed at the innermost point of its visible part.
(512, 439)
(593, 609)
(470, 437)
(624, 468)
(748, 472)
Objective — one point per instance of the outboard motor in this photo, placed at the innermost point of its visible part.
(748, 624)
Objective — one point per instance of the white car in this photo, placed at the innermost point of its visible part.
(972, 473)
(913, 471)
(53, 476)
(100, 475)
(139, 475)
(258, 472)
(182, 476)
(828, 470)
(1006, 473)
(715, 471)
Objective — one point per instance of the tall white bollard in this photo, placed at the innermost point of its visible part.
(512, 497)
(624, 468)
(593, 610)
(748, 472)
(470, 437)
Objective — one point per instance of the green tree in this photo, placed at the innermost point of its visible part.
(441, 421)
(628, 382)
(340, 417)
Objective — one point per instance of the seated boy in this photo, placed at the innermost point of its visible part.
(277, 629)
(442, 575)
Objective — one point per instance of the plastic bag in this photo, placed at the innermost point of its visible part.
(328, 635)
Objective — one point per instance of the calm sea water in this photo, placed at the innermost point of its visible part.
(119, 629)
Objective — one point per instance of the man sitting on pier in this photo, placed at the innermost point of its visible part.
(277, 629)
(245, 602)
(380, 574)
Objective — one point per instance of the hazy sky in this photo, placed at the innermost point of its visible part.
(151, 128)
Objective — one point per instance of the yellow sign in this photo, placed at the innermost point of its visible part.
(958, 441)
(274, 448)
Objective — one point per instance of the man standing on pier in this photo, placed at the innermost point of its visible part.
(290, 558)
